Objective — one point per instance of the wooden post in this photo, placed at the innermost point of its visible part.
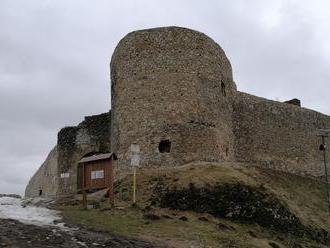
(134, 185)
(84, 199)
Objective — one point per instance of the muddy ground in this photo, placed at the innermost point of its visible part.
(15, 234)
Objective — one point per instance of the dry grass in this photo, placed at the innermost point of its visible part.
(305, 197)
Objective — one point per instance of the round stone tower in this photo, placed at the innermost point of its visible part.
(171, 94)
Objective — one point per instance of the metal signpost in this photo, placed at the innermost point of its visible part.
(324, 133)
(135, 161)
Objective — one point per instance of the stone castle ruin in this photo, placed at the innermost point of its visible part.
(173, 94)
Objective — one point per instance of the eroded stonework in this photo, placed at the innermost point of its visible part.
(277, 135)
(46, 180)
(176, 84)
(173, 94)
(171, 84)
(58, 175)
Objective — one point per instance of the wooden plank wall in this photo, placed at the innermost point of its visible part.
(106, 166)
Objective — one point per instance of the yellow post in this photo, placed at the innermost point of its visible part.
(134, 185)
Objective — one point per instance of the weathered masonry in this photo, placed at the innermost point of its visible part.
(173, 94)
(58, 174)
(171, 87)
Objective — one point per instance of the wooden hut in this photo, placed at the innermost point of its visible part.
(96, 173)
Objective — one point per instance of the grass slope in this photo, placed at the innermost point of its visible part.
(305, 197)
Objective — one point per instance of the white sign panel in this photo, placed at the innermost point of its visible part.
(135, 160)
(135, 149)
(99, 174)
(65, 175)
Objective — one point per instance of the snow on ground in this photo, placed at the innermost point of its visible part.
(11, 208)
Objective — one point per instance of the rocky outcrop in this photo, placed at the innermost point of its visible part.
(17, 234)
(240, 203)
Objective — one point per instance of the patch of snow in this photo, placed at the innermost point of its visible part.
(79, 242)
(11, 208)
(82, 243)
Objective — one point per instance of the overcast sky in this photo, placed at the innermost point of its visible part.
(54, 60)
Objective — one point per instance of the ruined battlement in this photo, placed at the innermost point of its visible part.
(58, 174)
(174, 84)
(173, 94)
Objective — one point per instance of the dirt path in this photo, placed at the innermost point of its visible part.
(16, 234)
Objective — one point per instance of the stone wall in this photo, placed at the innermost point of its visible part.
(90, 136)
(173, 94)
(44, 182)
(277, 135)
(172, 85)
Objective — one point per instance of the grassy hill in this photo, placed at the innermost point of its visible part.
(215, 205)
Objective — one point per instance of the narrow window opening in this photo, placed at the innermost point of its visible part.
(40, 192)
(164, 146)
(223, 89)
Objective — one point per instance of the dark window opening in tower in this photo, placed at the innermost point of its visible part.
(223, 89)
(164, 146)
(40, 192)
